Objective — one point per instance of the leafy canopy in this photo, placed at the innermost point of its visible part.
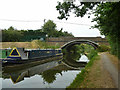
(107, 16)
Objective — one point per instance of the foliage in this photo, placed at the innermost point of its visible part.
(71, 55)
(103, 48)
(106, 15)
(11, 35)
(14, 35)
(81, 76)
(50, 75)
(50, 28)
(107, 18)
(92, 54)
(85, 48)
(43, 45)
(78, 9)
(29, 35)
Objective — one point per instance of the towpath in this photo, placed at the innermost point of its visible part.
(110, 68)
(103, 73)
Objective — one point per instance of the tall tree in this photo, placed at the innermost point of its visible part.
(11, 28)
(107, 16)
(49, 27)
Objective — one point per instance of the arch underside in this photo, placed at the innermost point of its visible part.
(74, 42)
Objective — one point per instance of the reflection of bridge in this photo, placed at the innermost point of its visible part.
(63, 40)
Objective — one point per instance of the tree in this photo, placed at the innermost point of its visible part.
(79, 10)
(106, 15)
(11, 35)
(50, 75)
(49, 27)
(107, 18)
(11, 28)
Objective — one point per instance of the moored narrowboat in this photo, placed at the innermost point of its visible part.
(21, 55)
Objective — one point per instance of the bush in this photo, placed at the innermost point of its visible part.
(43, 45)
(103, 48)
(92, 54)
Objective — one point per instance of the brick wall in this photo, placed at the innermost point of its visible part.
(62, 40)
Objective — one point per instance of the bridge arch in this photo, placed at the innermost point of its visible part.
(74, 42)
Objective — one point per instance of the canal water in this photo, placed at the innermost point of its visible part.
(52, 74)
(83, 58)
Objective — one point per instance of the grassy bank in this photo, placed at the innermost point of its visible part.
(29, 45)
(82, 75)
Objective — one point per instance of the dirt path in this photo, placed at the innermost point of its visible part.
(103, 74)
(110, 68)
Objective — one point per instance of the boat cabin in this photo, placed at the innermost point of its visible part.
(18, 53)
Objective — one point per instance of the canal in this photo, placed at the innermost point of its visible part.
(52, 74)
(57, 73)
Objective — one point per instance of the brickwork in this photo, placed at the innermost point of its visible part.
(62, 40)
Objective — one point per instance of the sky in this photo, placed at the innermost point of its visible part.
(30, 14)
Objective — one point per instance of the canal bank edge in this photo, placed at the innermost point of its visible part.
(95, 75)
(81, 76)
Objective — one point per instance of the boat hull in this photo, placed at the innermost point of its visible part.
(11, 61)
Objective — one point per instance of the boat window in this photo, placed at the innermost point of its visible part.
(6, 52)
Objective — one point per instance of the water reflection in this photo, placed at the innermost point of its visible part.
(75, 59)
(19, 75)
(51, 74)
(83, 58)
(77, 55)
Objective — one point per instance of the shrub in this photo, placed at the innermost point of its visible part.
(92, 54)
(103, 48)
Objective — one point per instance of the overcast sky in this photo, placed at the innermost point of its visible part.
(37, 11)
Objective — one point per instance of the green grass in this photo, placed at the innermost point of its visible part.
(81, 76)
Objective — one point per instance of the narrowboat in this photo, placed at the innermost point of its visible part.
(21, 55)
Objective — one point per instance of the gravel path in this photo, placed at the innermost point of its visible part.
(109, 66)
(101, 74)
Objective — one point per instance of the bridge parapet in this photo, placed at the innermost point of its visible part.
(62, 40)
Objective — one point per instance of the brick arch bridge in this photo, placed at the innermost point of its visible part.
(74, 42)
(63, 40)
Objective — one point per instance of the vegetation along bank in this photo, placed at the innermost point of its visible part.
(95, 74)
